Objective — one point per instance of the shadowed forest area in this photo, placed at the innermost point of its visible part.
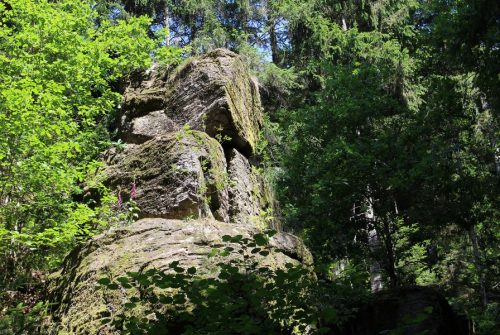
(250, 167)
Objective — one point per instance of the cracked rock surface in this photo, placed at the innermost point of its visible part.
(172, 123)
(178, 175)
(213, 93)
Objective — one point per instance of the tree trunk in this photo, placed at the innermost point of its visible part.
(376, 283)
(390, 257)
(478, 264)
(496, 156)
(344, 24)
(273, 41)
(166, 25)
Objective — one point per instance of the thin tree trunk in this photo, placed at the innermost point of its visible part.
(391, 259)
(477, 262)
(492, 135)
(496, 151)
(376, 283)
(166, 25)
(273, 41)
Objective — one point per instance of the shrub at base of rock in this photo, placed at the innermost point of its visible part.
(147, 244)
(409, 311)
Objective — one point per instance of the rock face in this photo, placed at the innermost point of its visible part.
(182, 132)
(214, 94)
(177, 175)
(188, 139)
(247, 191)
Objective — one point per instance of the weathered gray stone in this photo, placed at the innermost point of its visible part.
(178, 175)
(292, 246)
(140, 129)
(247, 191)
(213, 93)
(148, 243)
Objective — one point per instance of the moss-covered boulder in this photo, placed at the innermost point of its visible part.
(80, 305)
(171, 122)
(177, 175)
(213, 93)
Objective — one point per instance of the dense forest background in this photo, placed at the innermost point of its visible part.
(381, 136)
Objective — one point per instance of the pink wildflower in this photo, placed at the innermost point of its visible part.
(133, 192)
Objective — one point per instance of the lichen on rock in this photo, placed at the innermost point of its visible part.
(209, 97)
(246, 191)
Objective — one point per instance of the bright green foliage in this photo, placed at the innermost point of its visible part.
(23, 319)
(57, 73)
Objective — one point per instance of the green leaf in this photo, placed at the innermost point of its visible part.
(130, 305)
(122, 280)
(133, 275)
(213, 253)
(179, 269)
(166, 299)
(179, 298)
(173, 265)
(135, 299)
(260, 239)
(271, 232)
(104, 281)
(237, 238)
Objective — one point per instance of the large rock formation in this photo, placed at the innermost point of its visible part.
(188, 139)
